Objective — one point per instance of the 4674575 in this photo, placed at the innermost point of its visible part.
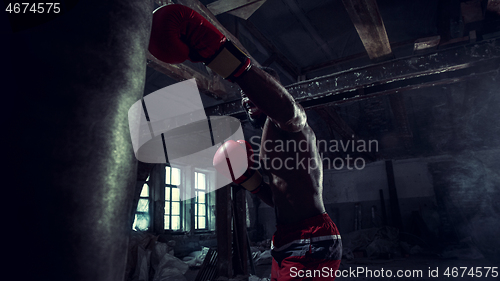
(464, 271)
(35, 8)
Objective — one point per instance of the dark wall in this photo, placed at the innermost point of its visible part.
(468, 188)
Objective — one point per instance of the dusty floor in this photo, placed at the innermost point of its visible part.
(416, 268)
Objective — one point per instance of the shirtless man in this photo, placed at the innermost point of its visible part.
(306, 239)
(306, 242)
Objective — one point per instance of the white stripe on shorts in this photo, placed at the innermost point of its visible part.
(306, 241)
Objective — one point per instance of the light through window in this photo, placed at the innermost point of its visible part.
(141, 220)
(200, 205)
(173, 207)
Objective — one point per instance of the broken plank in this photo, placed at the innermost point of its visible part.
(367, 20)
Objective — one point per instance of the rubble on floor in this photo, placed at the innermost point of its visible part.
(264, 258)
(380, 242)
(150, 260)
(243, 278)
(385, 243)
(255, 278)
(465, 250)
(196, 258)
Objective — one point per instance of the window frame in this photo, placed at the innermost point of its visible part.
(170, 186)
(195, 204)
(187, 187)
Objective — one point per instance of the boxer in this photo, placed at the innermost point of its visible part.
(306, 239)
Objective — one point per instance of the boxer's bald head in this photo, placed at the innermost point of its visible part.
(256, 117)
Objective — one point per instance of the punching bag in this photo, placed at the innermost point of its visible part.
(69, 168)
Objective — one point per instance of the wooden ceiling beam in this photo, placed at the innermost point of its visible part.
(370, 27)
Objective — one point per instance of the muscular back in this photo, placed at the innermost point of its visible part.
(294, 167)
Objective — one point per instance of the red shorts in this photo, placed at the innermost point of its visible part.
(308, 250)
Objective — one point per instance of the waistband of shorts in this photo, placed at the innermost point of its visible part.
(304, 224)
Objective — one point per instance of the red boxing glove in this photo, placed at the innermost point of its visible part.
(233, 160)
(179, 33)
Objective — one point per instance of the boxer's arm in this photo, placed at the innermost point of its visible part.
(179, 33)
(265, 194)
(273, 99)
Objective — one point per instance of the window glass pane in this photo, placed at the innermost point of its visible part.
(176, 176)
(200, 181)
(143, 205)
(201, 197)
(201, 210)
(167, 222)
(176, 222)
(176, 208)
(141, 222)
(147, 178)
(145, 191)
(167, 208)
(201, 223)
(175, 194)
(167, 193)
(167, 175)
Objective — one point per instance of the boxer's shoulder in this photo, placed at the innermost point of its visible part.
(294, 124)
(304, 131)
